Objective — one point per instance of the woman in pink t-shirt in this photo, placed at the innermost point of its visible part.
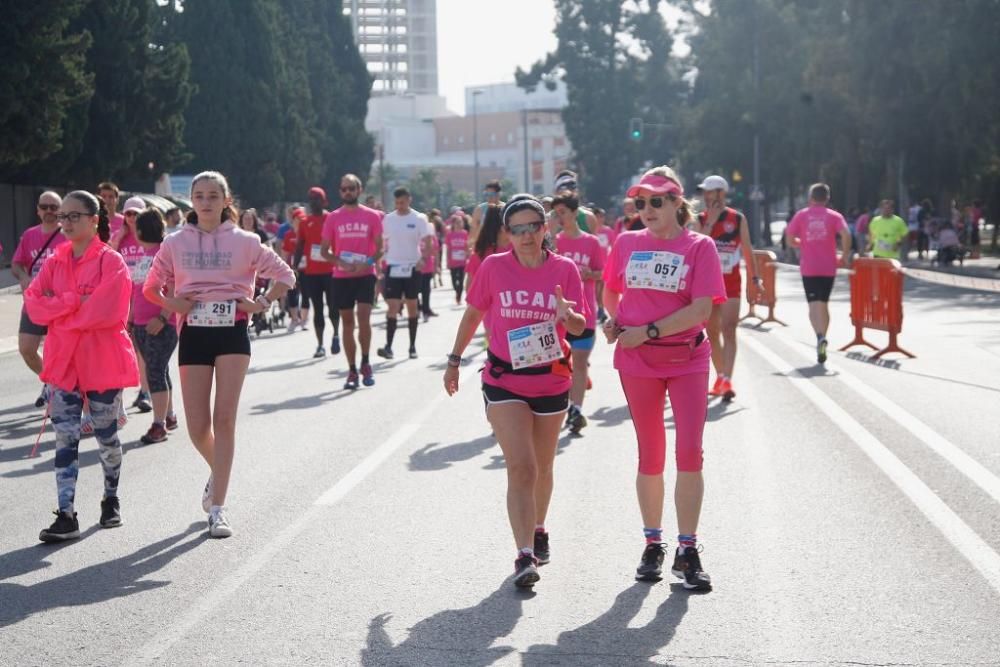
(154, 329)
(457, 243)
(660, 284)
(588, 255)
(527, 379)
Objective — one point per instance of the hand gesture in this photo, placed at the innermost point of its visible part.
(451, 379)
(629, 337)
(179, 304)
(154, 326)
(564, 308)
(610, 328)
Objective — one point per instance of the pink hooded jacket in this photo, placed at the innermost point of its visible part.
(220, 265)
(88, 347)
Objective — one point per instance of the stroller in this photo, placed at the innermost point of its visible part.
(269, 319)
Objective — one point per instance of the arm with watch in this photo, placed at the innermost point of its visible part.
(694, 314)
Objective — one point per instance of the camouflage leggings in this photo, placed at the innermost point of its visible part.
(66, 408)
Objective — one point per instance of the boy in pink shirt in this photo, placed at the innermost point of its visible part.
(814, 231)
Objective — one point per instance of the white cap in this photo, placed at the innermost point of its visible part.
(714, 183)
(134, 204)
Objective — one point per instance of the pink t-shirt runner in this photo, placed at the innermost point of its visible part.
(139, 260)
(817, 228)
(513, 296)
(458, 248)
(431, 265)
(31, 244)
(354, 231)
(700, 273)
(606, 235)
(586, 252)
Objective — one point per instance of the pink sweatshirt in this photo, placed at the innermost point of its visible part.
(87, 347)
(220, 265)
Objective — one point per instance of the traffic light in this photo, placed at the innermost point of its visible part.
(635, 129)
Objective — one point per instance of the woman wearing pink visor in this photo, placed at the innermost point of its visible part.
(659, 287)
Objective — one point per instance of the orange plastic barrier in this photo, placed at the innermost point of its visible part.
(765, 262)
(877, 301)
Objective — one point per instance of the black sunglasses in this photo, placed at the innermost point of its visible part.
(48, 207)
(655, 202)
(525, 228)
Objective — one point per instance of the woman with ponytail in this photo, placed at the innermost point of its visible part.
(82, 295)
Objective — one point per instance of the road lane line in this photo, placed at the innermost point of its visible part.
(965, 464)
(160, 643)
(972, 547)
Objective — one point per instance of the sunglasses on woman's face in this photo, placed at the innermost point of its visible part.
(655, 202)
(48, 207)
(72, 216)
(131, 214)
(526, 228)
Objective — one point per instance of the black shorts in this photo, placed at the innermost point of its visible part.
(402, 288)
(350, 291)
(199, 346)
(818, 288)
(539, 405)
(28, 327)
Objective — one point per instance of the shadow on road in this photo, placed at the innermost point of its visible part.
(90, 585)
(301, 402)
(289, 366)
(607, 417)
(435, 456)
(452, 637)
(608, 639)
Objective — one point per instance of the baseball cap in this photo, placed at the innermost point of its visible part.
(656, 185)
(134, 204)
(319, 192)
(714, 182)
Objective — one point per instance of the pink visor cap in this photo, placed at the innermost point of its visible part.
(656, 185)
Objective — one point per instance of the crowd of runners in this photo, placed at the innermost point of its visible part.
(117, 294)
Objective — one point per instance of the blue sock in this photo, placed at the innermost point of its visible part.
(653, 535)
(686, 541)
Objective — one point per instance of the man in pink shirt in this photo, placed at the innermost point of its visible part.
(352, 240)
(814, 231)
(36, 245)
(108, 192)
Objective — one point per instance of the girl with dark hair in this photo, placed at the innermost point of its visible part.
(205, 273)
(250, 222)
(527, 380)
(154, 329)
(492, 239)
(82, 295)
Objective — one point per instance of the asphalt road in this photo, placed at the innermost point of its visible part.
(851, 517)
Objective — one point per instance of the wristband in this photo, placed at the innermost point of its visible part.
(454, 360)
(160, 317)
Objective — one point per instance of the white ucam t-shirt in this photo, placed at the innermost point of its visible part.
(403, 236)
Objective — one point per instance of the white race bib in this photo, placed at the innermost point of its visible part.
(730, 260)
(302, 262)
(534, 345)
(353, 257)
(141, 269)
(458, 255)
(212, 314)
(603, 240)
(401, 271)
(316, 253)
(661, 271)
(884, 245)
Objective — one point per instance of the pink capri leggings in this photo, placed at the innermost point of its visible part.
(689, 401)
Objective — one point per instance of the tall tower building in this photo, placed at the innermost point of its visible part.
(398, 40)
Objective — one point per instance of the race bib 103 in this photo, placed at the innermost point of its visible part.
(534, 345)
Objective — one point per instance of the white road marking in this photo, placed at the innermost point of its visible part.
(207, 603)
(965, 464)
(972, 547)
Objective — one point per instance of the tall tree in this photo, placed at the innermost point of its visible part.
(42, 79)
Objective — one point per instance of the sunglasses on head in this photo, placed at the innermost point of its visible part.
(525, 228)
(48, 207)
(655, 202)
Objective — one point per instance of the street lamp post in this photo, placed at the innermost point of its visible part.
(475, 141)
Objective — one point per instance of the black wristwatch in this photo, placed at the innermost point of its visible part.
(652, 331)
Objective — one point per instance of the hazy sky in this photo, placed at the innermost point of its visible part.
(483, 41)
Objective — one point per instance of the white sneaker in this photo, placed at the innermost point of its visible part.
(218, 524)
(206, 495)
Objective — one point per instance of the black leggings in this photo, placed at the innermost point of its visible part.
(425, 292)
(156, 352)
(315, 288)
(458, 281)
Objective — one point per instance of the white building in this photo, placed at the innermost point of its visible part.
(398, 40)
